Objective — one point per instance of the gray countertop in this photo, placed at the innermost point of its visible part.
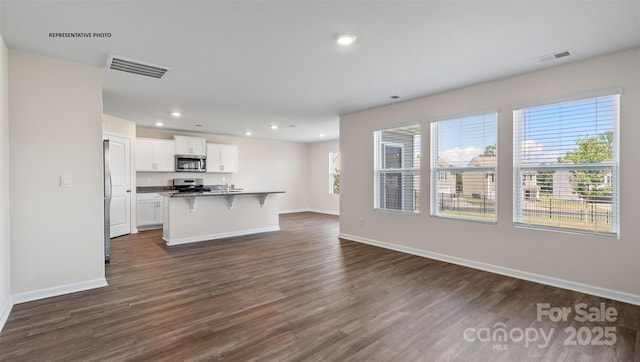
(152, 189)
(219, 193)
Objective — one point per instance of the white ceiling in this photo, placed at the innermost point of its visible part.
(244, 66)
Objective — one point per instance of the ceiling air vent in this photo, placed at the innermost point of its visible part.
(136, 67)
(546, 58)
(562, 55)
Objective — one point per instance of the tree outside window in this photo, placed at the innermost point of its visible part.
(591, 185)
(334, 173)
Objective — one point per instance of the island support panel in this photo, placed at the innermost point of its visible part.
(213, 219)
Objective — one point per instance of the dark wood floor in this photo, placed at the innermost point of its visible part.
(302, 294)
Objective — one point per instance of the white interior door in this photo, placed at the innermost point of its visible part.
(119, 160)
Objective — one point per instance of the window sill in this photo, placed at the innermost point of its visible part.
(468, 219)
(603, 234)
(389, 211)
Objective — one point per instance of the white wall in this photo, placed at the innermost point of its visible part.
(5, 261)
(319, 198)
(262, 164)
(123, 128)
(55, 124)
(598, 265)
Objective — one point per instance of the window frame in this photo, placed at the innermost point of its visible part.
(332, 157)
(380, 168)
(519, 168)
(435, 169)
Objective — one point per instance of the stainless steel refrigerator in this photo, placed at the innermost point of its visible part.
(107, 200)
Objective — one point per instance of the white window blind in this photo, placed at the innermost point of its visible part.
(566, 166)
(396, 167)
(464, 167)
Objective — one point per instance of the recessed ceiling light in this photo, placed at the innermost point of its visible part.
(394, 97)
(176, 114)
(274, 126)
(159, 124)
(198, 125)
(292, 125)
(345, 39)
(248, 133)
(321, 134)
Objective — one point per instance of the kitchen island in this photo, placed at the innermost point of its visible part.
(198, 216)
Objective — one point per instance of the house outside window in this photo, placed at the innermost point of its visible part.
(463, 167)
(397, 169)
(566, 154)
(334, 173)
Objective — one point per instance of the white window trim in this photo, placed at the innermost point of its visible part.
(570, 98)
(378, 151)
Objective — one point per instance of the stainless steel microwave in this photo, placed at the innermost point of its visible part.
(191, 163)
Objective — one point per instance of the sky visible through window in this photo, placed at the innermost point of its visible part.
(550, 131)
(462, 139)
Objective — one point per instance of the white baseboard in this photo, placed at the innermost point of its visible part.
(59, 290)
(6, 309)
(149, 227)
(542, 279)
(194, 239)
(293, 211)
(319, 211)
(328, 212)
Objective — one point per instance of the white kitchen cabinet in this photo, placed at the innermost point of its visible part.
(155, 155)
(222, 158)
(150, 210)
(190, 145)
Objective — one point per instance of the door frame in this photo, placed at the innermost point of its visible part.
(132, 178)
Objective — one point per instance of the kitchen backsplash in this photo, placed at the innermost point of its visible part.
(165, 178)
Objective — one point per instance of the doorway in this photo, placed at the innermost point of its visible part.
(120, 165)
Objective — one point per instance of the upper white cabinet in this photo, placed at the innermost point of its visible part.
(222, 158)
(190, 145)
(155, 155)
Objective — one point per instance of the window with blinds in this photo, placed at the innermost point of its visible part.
(566, 166)
(396, 168)
(464, 168)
